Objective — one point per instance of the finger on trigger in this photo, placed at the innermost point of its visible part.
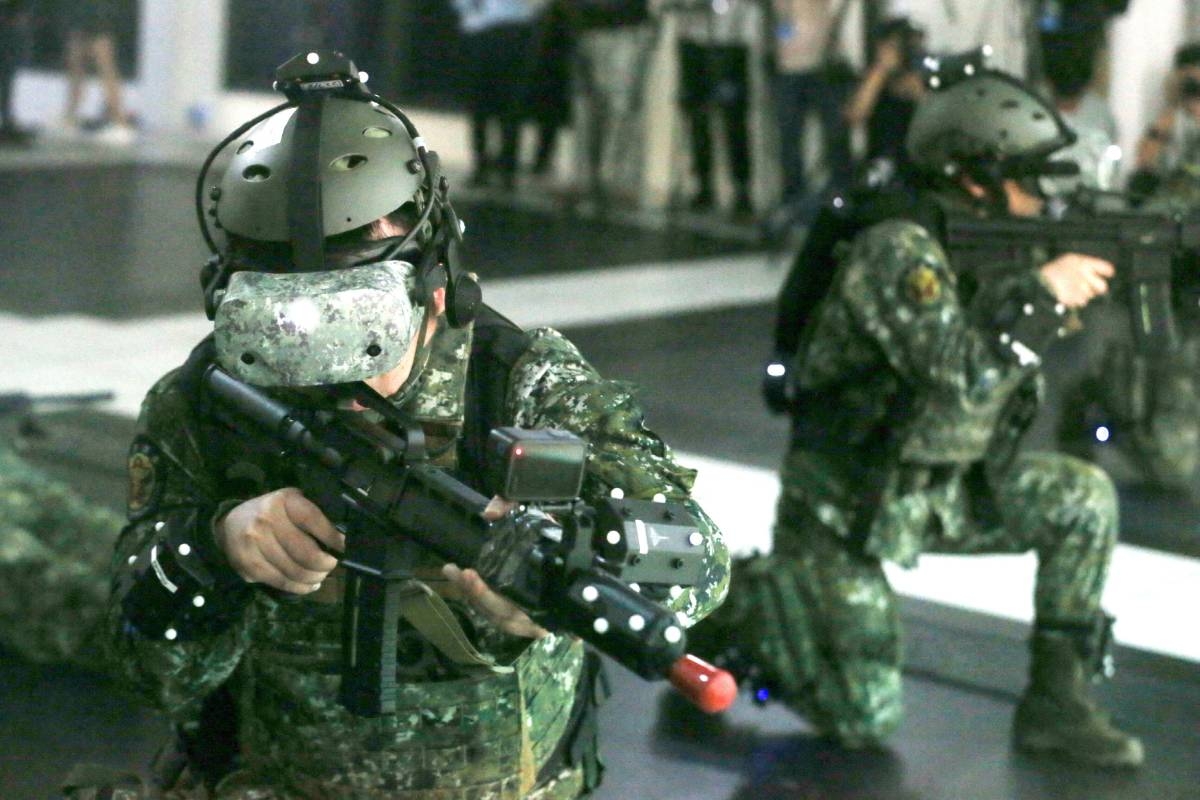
(308, 517)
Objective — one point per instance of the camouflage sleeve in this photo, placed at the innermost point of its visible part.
(168, 490)
(897, 285)
(552, 386)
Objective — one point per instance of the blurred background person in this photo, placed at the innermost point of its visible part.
(1169, 150)
(90, 39)
(714, 81)
(614, 47)
(496, 35)
(886, 98)
(549, 89)
(810, 77)
(13, 21)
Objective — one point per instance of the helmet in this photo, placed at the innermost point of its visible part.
(985, 123)
(300, 293)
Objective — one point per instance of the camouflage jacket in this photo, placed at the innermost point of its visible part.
(453, 737)
(908, 396)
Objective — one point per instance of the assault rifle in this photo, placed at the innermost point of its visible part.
(1144, 248)
(574, 568)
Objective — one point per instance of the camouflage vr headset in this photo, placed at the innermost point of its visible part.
(317, 328)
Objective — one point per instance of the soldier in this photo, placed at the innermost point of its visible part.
(911, 393)
(383, 234)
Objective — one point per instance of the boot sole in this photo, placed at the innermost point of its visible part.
(1042, 745)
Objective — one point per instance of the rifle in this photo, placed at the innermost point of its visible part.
(1144, 248)
(588, 571)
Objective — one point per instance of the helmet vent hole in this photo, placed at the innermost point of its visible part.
(1010, 104)
(374, 350)
(244, 146)
(348, 163)
(248, 358)
(1039, 115)
(256, 173)
(1003, 133)
(376, 132)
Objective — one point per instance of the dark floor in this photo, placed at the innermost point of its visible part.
(120, 242)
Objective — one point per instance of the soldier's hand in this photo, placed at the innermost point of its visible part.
(272, 539)
(1075, 279)
(498, 609)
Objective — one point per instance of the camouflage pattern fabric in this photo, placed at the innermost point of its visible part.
(317, 328)
(908, 448)
(54, 554)
(478, 737)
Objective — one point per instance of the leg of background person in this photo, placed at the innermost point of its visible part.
(8, 72)
(512, 82)
(694, 82)
(104, 55)
(75, 50)
(830, 102)
(790, 96)
(736, 113)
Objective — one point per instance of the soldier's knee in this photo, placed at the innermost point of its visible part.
(862, 706)
(1089, 496)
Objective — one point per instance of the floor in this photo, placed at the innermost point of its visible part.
(98, 291)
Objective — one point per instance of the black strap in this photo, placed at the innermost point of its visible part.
(496, 346)
(305, 216)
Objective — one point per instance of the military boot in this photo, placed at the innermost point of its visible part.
(1056, 714)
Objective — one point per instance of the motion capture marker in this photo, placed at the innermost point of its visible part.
(1103, 434)
(462, 227)
(312, 58)
(170, 634)
(617, 493)
(1027, 309)
(635, 587)
(419, 143)
(659, 497)
(590, 594)
(969, 69)
(613, 537)
(987, 51)
(674, 592)
(184, 549)
(695, 539)
(1005, 338)
(931, 64)
(363, 76)
(637, 622)
(673, 634)
(131, 560)
(934, 82)
(600, 625)
(776, 370)
(839, 202)
(198, 601)
(1060, 309)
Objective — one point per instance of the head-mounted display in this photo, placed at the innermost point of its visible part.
(316, 328)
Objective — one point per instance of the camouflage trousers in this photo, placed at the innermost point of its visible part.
(54, 553)
(820, 621)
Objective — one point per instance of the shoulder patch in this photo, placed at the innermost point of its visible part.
(922, 285)
(145, 479)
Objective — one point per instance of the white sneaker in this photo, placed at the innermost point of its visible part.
(116, 134)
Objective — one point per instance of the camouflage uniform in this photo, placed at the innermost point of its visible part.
(911, 408)
(54, 552)
(498, 736)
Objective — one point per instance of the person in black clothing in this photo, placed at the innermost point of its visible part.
(549, 97)
(887, 96)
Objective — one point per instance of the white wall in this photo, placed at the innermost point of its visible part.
(956, 25)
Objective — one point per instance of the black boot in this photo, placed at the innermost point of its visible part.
(1056, 715)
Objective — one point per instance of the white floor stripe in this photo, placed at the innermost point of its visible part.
(1146, 590)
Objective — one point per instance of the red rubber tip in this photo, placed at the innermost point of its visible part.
(709, 688)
